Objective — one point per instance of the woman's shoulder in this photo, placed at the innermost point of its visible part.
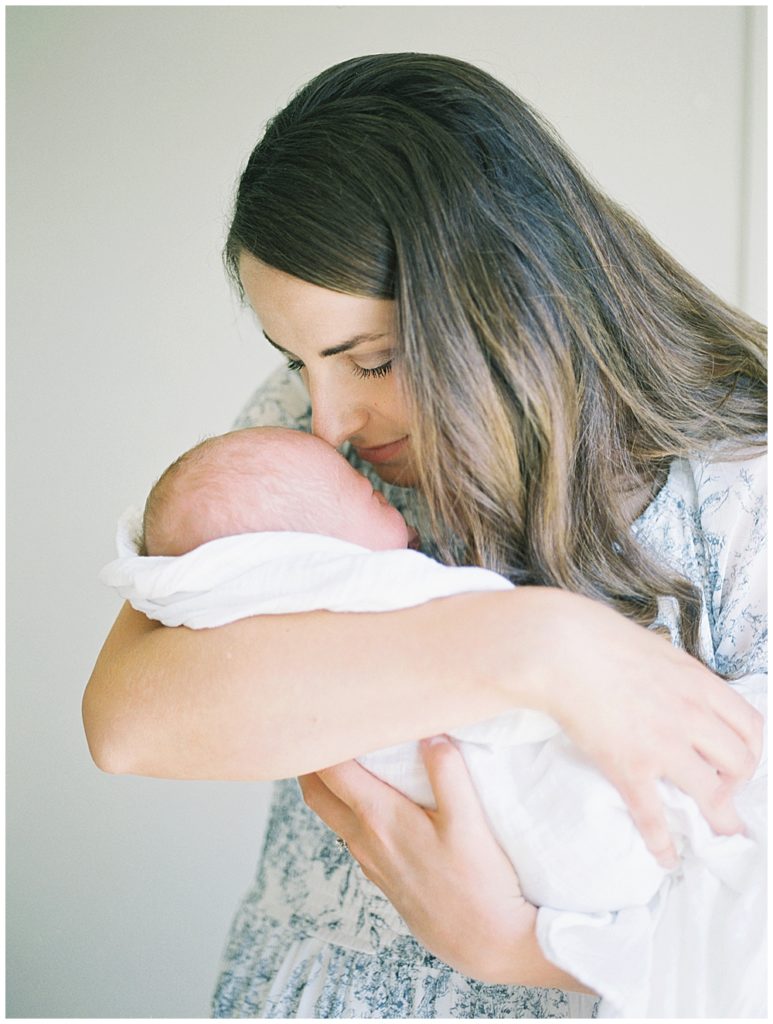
(726, 464)
(724, 485)
(709, 523)
(710, 515)
(722, 478)
(731, 511)
(280, 401)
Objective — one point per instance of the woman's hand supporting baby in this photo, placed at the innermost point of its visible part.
(642, 710)
(442, 870)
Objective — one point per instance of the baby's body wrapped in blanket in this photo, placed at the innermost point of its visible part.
(652, 943)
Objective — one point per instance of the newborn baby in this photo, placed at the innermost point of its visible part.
(266, 479)
(269, 520)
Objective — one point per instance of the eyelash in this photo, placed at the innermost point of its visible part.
(376, 371)
(358, 371)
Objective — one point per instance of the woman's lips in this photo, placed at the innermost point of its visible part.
(384, 452)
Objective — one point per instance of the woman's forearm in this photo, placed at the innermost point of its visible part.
(276, 696)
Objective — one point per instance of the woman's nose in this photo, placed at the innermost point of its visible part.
(336, 415)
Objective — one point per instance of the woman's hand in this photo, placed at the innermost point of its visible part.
(643, 710)
(442, 870)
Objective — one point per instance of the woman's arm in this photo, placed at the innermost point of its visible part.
(276, 696)
(279, 695)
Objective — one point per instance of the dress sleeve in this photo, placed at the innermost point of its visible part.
(280, 401)
(732, 510)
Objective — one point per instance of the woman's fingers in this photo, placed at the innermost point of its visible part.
(437, 868)
(646, 808)
(369, 813)
(734, 744)
(712, 791)
(738, 708)
(383, 829)
(326, 805)
(455, 794)
(359, 790)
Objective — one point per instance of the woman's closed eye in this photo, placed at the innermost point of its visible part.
(373, 371)
(359, 371)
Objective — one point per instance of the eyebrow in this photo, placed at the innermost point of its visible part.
(335, 350)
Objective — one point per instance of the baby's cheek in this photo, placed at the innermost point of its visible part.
(403, 531)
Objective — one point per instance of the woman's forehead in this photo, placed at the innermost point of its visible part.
(293, 311)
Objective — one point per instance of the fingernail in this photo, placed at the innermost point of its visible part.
(433, 741)
(738, 829)
(669, 861)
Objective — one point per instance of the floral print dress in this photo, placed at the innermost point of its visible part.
(313, 938)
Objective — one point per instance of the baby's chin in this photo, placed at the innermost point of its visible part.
(409, 539)
(393, 540)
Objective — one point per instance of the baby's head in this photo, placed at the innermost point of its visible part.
(265, 479)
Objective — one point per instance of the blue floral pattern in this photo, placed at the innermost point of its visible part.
(313, 937)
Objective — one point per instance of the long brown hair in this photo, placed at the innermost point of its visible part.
(555, 357)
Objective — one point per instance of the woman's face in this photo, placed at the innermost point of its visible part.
(343, 346)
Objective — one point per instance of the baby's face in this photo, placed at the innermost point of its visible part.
(364, 515)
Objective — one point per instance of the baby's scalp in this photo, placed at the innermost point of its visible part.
(170, 493)
(222, 486)
(308, 477)
(325, 493)
(318, 491)
(251, 480)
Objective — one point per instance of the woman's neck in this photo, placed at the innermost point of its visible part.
(635, 499)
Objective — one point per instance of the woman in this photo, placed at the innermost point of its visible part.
(474, 323)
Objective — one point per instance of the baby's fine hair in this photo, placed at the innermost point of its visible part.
(210, 480)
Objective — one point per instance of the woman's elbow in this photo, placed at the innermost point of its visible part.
(107, 748)
(107, 719)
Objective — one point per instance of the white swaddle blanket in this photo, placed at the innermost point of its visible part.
(651, 943)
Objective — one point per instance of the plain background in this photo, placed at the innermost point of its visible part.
(127, 128)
